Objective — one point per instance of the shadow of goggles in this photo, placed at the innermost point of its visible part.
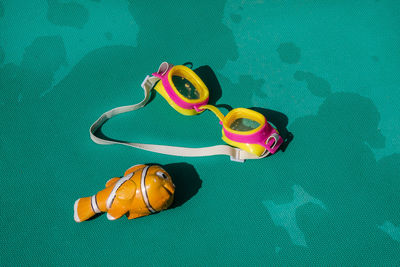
(247, 132)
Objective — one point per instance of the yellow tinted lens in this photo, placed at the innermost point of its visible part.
(244, 125)
(185, 88)
(243, 121)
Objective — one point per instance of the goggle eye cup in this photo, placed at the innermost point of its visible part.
(182, 88)
(250, 131)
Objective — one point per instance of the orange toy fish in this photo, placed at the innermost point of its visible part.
(142, 191)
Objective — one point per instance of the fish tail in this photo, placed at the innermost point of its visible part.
(85, 208)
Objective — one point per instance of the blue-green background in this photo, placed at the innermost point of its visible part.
(332, 67)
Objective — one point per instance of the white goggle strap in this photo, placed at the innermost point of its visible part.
(235, 154)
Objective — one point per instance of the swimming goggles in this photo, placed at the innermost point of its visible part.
(248, 132)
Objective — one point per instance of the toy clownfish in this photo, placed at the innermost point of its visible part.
(142, 191)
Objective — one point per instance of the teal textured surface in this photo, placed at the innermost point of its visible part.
(331, 67)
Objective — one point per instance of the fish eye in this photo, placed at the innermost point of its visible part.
(162, 175)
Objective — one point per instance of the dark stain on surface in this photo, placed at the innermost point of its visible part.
(35, 73)
(1, 10)
(289, 53)
(236, 18)
(244, 89)
(210, 79)
(317, 85)
(375, 58)
(108, 35)
(69, 14)
(389, 168)
(9, 91)
(2, 55)
(357, 116)
(330, 159)
(202, 37)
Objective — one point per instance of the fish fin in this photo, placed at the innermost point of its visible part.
(112, 181)
(111, 218)
(117, 209)
(83, 209)
(122, 201)
(133, 215)
(127, 191)
(134, 168)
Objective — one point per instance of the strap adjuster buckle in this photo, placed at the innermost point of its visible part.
(237, 157)
(146, 82)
